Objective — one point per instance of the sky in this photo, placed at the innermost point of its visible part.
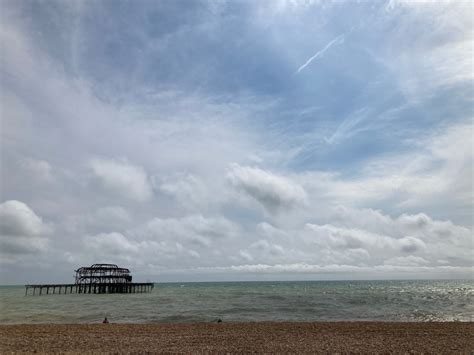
(236, 140)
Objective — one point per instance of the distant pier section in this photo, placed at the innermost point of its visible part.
(98, 278)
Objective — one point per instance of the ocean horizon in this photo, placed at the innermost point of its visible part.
(251, 301)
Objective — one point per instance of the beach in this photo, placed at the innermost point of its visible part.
(261, 337)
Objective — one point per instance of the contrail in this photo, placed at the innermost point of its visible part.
(338, 40)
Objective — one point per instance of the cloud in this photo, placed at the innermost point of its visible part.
(170, 242)
(437, 58)
(21, 230)
(411, 245)
(264, 246)
(17, 219)
(340, 237)
(420, 225)
(338, 40)
(439, 169)
(112, 214)
(119, 248)
(378, 271)
(355, 123)
(368, 237)
(38, 169)
(194, 230)
(365, 242)
(244, 254)
(123, 178)
(104, 219)
(272, 191)
(362, 166)
(409, 260)
(268, 231)
(18, 246)
(189, 190)
(383, 235)
(111, 244)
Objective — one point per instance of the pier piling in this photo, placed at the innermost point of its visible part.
(136, 287)
(97, 279)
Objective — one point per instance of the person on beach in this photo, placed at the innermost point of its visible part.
(105, 321)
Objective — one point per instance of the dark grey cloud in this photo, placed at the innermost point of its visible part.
(270, 190)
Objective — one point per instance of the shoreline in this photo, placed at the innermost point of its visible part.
(314, 337)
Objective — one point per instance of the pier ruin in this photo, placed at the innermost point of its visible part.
(95, 279)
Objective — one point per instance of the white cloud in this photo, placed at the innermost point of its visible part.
(111, 244)
(440, 170)
(384, 235)
(270, 190)
(353, 238)
(420, 225)
(377, 271)
(104, 219)
(190, 230)
(245, 255)
(17, 219)
(368, 237)
(263, 250)
(409, 260)
(439, 54)
(123, 178)
(189, 190)
(268, 231)
(21, 230)
(150, 244)
(13, 246)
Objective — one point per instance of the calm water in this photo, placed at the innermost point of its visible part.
(251, 301)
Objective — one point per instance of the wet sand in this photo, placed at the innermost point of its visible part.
(264, 337)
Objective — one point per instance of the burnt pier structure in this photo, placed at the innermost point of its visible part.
(98, 278)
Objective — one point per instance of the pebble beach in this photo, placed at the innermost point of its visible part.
(260, 337)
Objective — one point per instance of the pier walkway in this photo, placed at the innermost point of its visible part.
(127, 287)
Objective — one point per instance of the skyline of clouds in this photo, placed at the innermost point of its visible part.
(196, 140)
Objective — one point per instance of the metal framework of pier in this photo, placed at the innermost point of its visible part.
(98, 278)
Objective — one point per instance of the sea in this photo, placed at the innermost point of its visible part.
(305, 301)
